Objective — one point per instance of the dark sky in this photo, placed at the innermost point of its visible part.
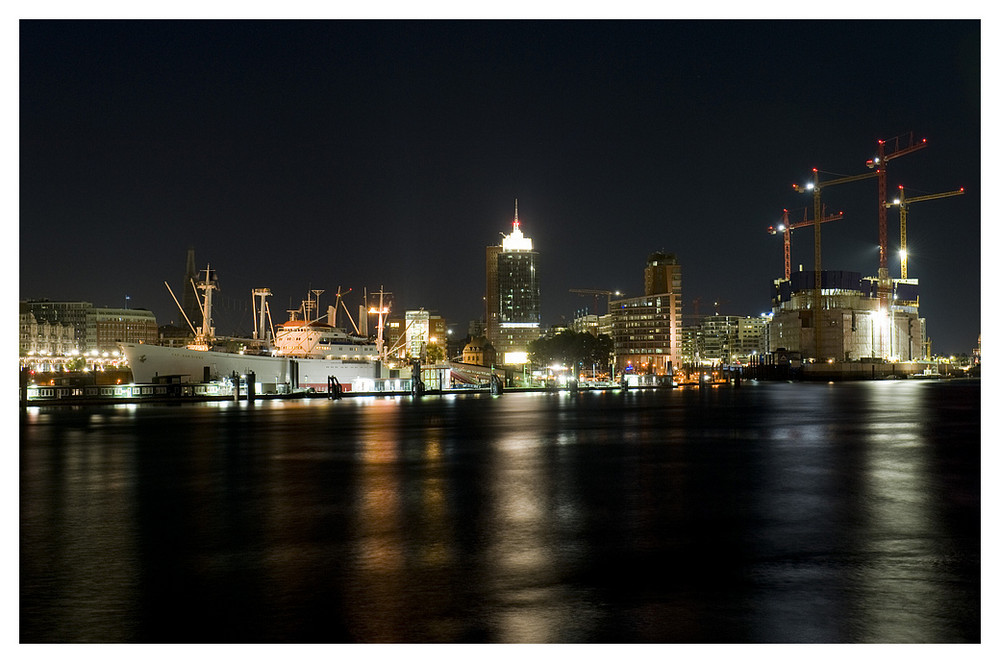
(297, 155)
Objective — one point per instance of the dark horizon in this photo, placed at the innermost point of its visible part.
(322, 154)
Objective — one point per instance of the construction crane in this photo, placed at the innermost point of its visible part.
(785, 228)
(904, 203)
(879, 164)
(817, 187)
(598, 293)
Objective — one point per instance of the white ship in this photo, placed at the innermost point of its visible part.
(301, 354)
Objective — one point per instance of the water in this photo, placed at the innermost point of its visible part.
(768, 513)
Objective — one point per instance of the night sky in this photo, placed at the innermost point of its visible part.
(297, 155)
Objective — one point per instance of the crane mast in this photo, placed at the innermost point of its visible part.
(904, 203)
(817, 187)
(879, 164)
(785, 228)
(597, 294)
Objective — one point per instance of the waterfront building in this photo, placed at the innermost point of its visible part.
(57, 334)
(853, 325)
(724, 340)
(74, 314)
(513, 314)
(592, 324)
(394, 335)
(422, 331)
(43, 338)
(437, 329)
(691, 345)
(479, 352)
(647, 329)
(417, 332)
(118, 325)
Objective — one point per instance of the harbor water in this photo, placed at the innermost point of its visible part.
(768, 513)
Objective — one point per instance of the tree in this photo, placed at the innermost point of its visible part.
(572, 349)
(435, 353)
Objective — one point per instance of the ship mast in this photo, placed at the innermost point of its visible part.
(259, 330)
(204, 338)
(382, 311)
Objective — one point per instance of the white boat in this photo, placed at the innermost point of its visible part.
(301, 354)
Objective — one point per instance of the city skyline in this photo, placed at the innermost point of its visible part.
(299, 155)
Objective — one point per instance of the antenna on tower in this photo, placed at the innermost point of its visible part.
(517, 223)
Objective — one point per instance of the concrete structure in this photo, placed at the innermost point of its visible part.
(647, 330)
(513, 314)
(853, 327)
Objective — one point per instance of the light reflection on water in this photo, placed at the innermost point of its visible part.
(769, 513)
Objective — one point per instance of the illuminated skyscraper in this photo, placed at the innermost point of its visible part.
(513, 316)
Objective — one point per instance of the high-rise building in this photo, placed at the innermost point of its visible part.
(513, 316)
(647, 329)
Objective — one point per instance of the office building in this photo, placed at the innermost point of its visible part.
(647, 329)
(513, 315)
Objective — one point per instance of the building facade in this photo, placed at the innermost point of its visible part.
(593, 324)
(116, 325)
(43, 338)
(417, 332)
(73, 314)
(65, 327)
(849, 322)
(513, 313)
(724, 340)
(647, 329)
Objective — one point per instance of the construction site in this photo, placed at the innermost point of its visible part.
(840, 324)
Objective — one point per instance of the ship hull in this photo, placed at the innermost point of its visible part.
(152, 362)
